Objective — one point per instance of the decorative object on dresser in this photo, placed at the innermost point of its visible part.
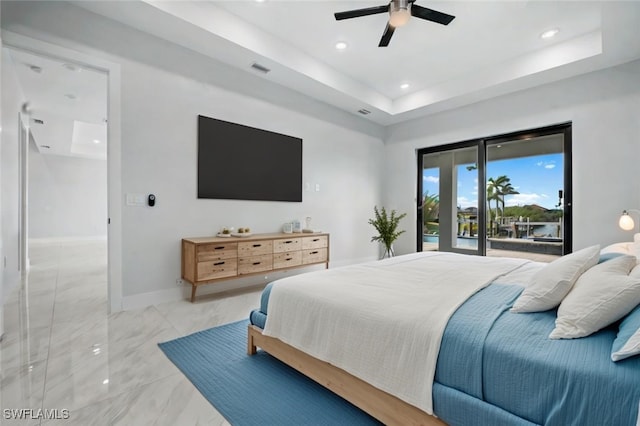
(208, 260)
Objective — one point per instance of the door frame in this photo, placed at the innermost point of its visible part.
(480, 155)
(90, 58)
(482, 144)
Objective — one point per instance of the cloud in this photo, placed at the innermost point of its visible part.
(523, 199)
(546, 164)
(431, 179)
(464, 202)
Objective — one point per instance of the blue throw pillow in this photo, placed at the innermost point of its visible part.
(627, 343)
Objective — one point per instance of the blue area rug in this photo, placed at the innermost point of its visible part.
(259, 389)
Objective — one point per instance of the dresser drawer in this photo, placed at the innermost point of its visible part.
(220, 251)
(217, 269)
(252, 264)
(286, 244)
(255, 248)
(314, 256)
(287, 260)
(319, 241)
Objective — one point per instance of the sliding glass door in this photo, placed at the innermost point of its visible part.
(507, 195)
(449, 208)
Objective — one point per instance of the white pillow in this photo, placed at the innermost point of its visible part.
(552, 283)
(624, 248)
(602, 295)
(635, 249)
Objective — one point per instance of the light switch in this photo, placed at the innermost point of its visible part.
(135, 199)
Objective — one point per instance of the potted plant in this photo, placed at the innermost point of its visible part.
(387, 227)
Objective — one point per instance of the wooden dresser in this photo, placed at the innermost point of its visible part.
(210, 259)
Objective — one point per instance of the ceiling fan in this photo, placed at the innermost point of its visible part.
(399, 13)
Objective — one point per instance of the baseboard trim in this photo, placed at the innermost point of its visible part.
(142, 300)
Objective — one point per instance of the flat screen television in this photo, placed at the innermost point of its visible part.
(239, 162)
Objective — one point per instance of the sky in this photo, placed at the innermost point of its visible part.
(537, 178)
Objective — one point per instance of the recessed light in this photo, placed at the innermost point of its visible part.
(549, 33)
(341, 45)
(72, 67)
(256, 66)
(96, 141)
(404, 86)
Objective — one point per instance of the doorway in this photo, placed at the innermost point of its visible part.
(505, 195)
(112, 214)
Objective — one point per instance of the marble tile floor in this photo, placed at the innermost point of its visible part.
(62, 350)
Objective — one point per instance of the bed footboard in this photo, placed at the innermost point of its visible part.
(379, 404)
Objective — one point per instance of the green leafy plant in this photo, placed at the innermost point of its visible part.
(387, 227)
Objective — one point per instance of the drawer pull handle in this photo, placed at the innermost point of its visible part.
(218, 263)
(316, 239)
(257, 245)
(288, 242)
(219, 248)
(289, 258)
(256, 263)
(314, 252)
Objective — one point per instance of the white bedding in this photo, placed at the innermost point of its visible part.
(381, 321)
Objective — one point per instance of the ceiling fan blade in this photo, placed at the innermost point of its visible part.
(386, 37)
(431, 15)
(361, 12)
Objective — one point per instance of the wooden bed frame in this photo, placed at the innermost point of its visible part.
(379, 404)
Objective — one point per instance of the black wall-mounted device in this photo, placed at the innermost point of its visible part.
(151, 200)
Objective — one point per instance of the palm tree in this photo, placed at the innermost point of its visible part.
(506, 189)
(497, 189)
(492, 195)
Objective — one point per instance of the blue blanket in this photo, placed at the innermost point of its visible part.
(496, 367)
(508, 361)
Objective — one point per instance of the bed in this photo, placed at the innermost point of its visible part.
(430, 338)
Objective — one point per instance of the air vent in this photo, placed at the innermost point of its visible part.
(38, 121)
(364, 111)
(256, 66)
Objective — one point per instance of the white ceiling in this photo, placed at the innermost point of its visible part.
(489, 49)
(67, 105)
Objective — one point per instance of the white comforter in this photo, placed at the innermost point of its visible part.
(381, 321)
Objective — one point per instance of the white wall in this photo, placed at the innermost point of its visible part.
(12, 100)
(604, 108)
(159, 156)
(163, 89)
(67, 196)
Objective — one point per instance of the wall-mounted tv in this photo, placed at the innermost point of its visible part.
(244, 163)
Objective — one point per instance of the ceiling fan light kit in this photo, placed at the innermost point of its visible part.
(400, 11)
